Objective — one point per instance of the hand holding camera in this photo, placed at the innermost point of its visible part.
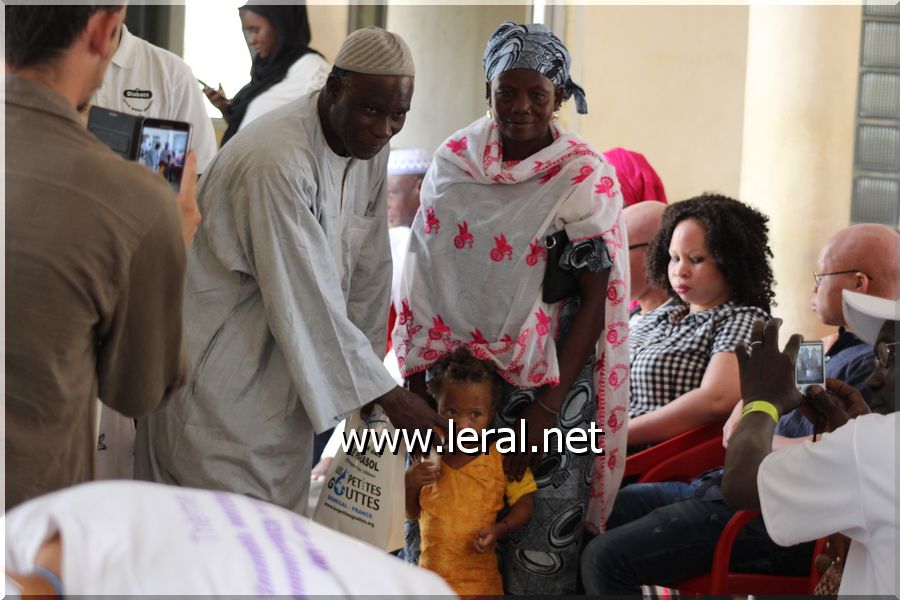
(833, 406)
(187, 199)
(767, 373)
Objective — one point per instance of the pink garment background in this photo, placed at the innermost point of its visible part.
(638, 181)
(637, 178)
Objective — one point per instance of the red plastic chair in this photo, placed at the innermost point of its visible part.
(698, 447)
(720, 581)
(681, 459)
(705, 452)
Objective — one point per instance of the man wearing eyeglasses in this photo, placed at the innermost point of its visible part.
(642, 221)
(862, 259)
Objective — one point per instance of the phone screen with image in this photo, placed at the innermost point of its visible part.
(810, 366)
(163, 148)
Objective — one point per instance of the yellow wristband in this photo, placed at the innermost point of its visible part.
(760, 406)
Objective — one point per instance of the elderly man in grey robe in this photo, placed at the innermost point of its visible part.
(288, 288)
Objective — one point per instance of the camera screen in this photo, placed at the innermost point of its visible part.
(811, 364)
(163, 151)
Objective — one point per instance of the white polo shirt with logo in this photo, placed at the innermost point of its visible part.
(148, 81)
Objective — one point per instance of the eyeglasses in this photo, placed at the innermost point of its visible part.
(817, 277)
(636, 246)
(885, 354)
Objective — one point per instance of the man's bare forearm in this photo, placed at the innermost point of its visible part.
(749, 445)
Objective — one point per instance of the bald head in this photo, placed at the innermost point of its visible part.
(642, 221)
(861, 258)
(872, 249)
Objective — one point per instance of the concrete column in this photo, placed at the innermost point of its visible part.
(797, 158)
(447, 42)
(328, 24)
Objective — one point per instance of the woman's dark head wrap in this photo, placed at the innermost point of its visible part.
(292, 26)
(534, 47)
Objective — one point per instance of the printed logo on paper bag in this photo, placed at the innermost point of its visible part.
(354, 493)
(364, 490)
(337, 485)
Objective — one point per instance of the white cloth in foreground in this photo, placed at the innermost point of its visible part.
(147, 81)
(845, 483)
(307, 74)
(287, 292)
(134, 538)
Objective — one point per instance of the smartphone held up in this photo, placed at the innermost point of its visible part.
(158, 144)
(164, 147)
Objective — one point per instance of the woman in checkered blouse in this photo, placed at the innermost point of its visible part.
(712, 254)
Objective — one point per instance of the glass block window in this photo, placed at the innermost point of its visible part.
(880, 95)
(882, 10)
(878, 148)
(876, 172)
(877, 201)
(881, 46)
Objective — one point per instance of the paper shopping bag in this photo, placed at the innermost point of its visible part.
(364, 491)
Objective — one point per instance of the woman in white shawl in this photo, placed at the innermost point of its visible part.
(474, 275)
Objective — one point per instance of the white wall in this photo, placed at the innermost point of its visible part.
(666, 81)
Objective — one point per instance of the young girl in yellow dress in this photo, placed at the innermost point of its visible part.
(458, 500)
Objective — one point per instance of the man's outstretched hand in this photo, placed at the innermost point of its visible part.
(409, 411)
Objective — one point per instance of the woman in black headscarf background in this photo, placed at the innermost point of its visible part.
(284, 66)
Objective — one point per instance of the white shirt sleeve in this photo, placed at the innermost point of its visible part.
(812, 490)
(188, 101)
(307, 74)
(331, 361)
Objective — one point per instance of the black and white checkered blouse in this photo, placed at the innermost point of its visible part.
(671, 347)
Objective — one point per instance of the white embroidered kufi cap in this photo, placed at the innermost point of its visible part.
(408, 161)
(374, 51)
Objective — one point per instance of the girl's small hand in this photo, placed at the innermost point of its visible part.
(487, 537)
(422, 473)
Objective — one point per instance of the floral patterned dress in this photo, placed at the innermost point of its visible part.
(473, 276)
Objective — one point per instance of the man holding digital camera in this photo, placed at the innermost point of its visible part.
(847, 482)
(94, 256)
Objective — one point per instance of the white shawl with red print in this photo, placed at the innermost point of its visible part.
(476, 261)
